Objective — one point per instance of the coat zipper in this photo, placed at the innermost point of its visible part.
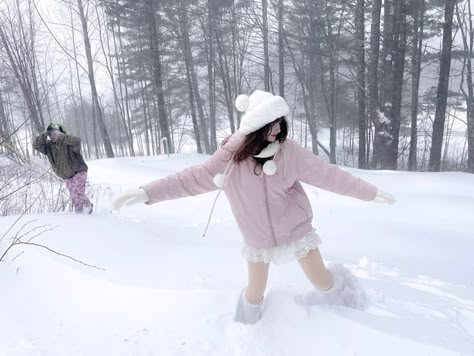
(268, 207)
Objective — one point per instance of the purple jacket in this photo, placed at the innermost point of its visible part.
(269, 210)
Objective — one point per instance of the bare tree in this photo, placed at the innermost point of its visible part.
(79, 86)
(211, 77)
(153, 20)
(200, 125)
(400, 24)
(95, 98)
(330, 94)
(442, 93)
(118, 102)
(360, 55)
(417, 43)
(281, 50)
(383, 121)
(266, 59)
(372, 73)
(464, 17)
(305, 52)
(18, 39)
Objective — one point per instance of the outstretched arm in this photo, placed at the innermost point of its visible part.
(313, 170)
(190, 181)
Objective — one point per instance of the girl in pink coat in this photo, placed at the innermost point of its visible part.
(261, 170)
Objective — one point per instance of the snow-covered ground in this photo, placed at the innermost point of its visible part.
(166, 290)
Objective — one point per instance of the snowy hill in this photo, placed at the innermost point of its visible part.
(164, 290)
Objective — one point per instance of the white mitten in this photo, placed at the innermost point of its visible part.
(130, 197)
(384, 197)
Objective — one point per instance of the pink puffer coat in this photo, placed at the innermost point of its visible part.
(269, 210)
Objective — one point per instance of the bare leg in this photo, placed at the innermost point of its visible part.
(337, 286)
(314, 268)
(257, 281)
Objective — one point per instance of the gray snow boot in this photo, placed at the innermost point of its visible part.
(89, 209)
(345, 291)
(247, 313)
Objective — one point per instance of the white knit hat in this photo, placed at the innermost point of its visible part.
(260, 109)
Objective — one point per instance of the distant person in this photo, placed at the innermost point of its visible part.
(64, 154)
(261, 171)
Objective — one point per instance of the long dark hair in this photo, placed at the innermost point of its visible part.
(256, 141)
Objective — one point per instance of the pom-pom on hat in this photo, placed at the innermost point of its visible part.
(261, 108)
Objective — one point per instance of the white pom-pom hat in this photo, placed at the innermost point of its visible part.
(261, 108)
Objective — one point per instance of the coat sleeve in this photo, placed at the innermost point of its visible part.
(313, 170)
(190, 181)
(40, 144)
(74, 142)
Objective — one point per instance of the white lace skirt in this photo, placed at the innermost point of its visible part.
(283, 253)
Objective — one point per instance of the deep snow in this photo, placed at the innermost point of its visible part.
(168, 291)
